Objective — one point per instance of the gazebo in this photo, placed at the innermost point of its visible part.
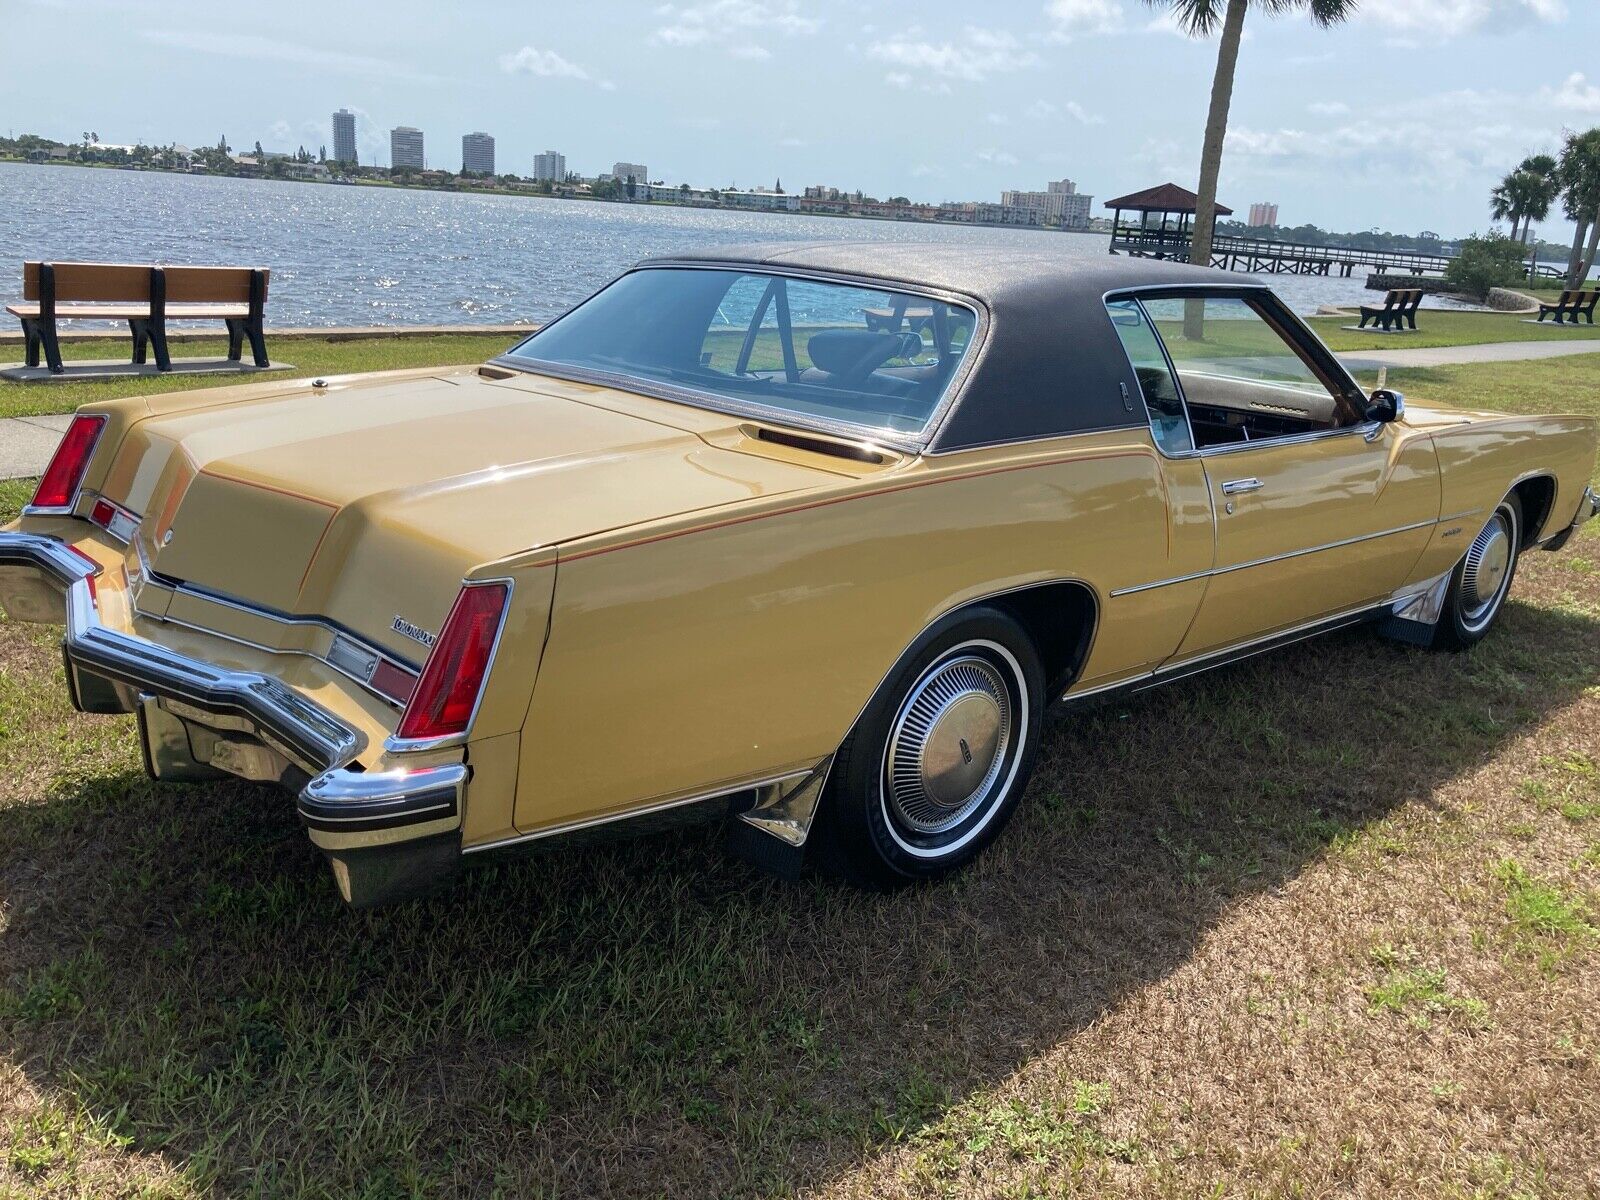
(1163, 237)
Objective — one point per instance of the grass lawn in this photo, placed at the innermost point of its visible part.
(1320, 923)
(311, 357)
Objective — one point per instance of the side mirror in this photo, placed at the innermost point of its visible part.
(1385, 405)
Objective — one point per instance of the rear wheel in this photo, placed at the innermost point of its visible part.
(938, 761)
(1482, 579)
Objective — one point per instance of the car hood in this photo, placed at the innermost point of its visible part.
(275, 499)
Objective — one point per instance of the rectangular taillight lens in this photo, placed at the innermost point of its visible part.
(59, 484)
(446, 695)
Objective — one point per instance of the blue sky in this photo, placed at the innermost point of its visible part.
(1402, 119)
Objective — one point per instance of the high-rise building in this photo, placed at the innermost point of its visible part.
(1060, 202)
(477, 154)
(405, 147)
(1263, 213)
(622, 171)
(344, 136)
(549, 167)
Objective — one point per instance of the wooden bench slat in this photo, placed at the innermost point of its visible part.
(125, 312)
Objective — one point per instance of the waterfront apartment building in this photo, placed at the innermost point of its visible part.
(405, 147)
(549, 167)
(623, 171)
(1060, 204)
(1263, 213)
(344, 136)
(477, 154)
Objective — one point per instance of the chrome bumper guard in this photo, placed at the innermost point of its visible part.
(249, 725)
(1588, 507)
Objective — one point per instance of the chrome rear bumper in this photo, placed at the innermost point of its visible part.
(198, 720)
(1588, 507)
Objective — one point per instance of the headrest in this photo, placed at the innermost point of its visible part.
(856, 353)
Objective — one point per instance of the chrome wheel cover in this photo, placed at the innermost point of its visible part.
(949, 745)
(1486, 571)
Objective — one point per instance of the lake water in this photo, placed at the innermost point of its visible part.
(387, 256)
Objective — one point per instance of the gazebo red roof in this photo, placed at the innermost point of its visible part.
(1166, 197)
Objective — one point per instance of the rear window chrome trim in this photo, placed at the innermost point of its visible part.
(906, 442)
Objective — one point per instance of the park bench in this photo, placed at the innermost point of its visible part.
(146, 297)
(1574, 302)
(1399, 309)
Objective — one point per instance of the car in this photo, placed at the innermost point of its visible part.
(805, 536)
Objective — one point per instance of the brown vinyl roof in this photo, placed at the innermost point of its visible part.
(1166, 197)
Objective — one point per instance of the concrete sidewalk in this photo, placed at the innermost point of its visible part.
(1484, 352)
(26, 443)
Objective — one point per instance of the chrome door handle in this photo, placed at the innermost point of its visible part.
(1234, 486)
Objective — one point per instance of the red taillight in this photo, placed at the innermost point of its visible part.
(59, 484)
(454, 674)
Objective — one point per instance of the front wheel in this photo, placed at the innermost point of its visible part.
(1481, 580)
(937, 762)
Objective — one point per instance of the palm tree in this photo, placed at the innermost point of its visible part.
(1579, 177)
(1525, 195)
(1200, 18)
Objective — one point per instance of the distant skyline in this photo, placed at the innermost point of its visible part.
(1402, 120)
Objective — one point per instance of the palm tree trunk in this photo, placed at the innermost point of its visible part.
(1205, 216)
(1588, 257)
(1575, 259)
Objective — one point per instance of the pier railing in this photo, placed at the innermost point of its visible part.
(1266, 256)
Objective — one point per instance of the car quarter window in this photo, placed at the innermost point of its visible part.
(1241, 378)
(1168, 422)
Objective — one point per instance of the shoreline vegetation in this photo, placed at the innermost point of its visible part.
(31, 150)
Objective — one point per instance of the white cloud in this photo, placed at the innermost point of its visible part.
(1073, 18)
(999, 158)
(1040, 109)
(1329, 108)
(998, 119)
(1449, 18)
(732, 24)
(1078, 113)
(547, 64)
(263, 49)
(1576, 94)
(972, 58)
(899, 79)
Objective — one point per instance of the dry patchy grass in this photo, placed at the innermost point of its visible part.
(1319, 923)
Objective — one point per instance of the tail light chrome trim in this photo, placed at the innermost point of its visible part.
(403, 745)
(81, 467)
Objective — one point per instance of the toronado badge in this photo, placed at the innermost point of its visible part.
(415, 632)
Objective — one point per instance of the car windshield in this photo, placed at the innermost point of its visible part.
(829, 353)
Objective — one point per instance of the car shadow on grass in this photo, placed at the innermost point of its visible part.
(648, 1016)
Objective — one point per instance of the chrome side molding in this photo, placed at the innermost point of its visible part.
(785, 808)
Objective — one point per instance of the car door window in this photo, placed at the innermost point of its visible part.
(1168, 422)
(1241, 378)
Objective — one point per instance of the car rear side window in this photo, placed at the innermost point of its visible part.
(1168, 421)
(871, 359)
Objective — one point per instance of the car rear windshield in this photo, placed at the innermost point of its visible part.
(822, 352)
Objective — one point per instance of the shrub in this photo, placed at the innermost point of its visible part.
(1493, 260)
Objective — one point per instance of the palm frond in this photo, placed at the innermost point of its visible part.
(1197, 18)
(1330, 12)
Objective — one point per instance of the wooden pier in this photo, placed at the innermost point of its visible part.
(1163, 230)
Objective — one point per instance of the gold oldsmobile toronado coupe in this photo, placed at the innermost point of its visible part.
(805, 535)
